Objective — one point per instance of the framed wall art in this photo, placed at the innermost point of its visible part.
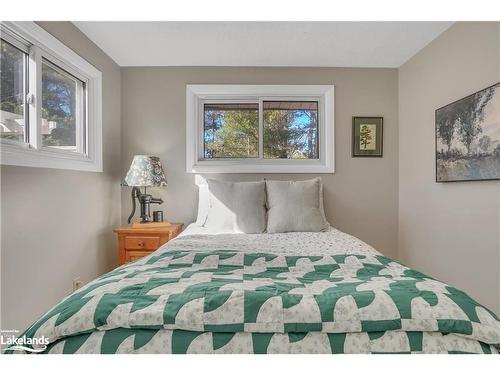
(468, 138)
(367, 136)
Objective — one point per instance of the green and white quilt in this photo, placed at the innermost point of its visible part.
(310, 293)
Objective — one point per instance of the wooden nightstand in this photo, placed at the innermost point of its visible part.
(135, 243)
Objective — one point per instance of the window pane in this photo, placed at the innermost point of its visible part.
(12, 93)
(231, 130)
(60, 112)
(290, 130)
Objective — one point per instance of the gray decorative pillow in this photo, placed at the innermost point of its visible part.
(236, 207)
(295, 206)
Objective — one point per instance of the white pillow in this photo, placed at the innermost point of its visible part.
(321, 202)
(295, 206)
(203, 204)
(237, 207)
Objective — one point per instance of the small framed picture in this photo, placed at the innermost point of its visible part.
(367, 135)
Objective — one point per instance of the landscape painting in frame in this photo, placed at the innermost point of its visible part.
(468, 138)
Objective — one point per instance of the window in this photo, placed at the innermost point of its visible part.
(63, 109)
(290, 130)
(231, 130)
(13, 68)
(260, 129)
(50, 102)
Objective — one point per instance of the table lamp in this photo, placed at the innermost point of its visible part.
(145, 171)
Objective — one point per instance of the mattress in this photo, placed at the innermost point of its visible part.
(325, 292)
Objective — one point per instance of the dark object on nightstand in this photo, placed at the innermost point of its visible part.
(144, 171)
(157, 216)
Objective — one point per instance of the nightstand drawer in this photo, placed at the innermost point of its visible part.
(132, 256)
(142, 243)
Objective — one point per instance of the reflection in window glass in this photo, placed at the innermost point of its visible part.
(60, 93)
(12, 93)
(291, 130)
(231, 130)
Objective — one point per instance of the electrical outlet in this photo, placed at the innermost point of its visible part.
(77, 283)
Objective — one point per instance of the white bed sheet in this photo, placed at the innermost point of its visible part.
(329, 242)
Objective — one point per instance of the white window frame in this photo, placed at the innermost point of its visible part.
(198, 95)
(43, 45)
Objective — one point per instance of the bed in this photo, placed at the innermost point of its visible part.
(325, 292)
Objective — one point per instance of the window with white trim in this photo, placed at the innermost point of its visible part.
(260, 129)
(50, 102)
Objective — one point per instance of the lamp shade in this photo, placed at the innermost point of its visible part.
(145, 170)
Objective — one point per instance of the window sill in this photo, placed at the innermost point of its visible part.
(263, 166)
(25, 156)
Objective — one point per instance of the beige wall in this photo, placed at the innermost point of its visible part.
(450, 231)
(360, 198)
(57, 224)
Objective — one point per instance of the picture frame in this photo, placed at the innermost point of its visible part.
(367, 136)
(467, 138)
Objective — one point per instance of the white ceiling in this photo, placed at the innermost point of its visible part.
(346, 44)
